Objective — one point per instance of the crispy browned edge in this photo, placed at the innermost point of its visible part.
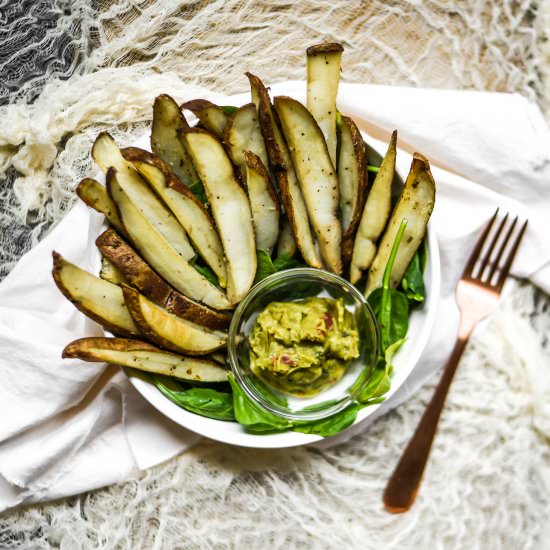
(112, 217)
(138, 273)
(275, 157)
(274, 154)
(166, 97)
(255, 162)
(81, 348)
(326, 47)
(133, 302)
(419, 158)
(360, 159)
(198, 105)
(58, 262)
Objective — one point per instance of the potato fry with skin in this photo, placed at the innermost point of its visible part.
(168, 330)
(375, 214)
(167, 120)
(285, 176)
(415, 205)
(211, 116)
(182, 202)
(323, 77)
(95, 196)
(352, 180)
(137, 273)
(160, 255)
(230, 208)
(263, 202)
(317, 177)
(99, 300)
(107, 154)
(145, 357)
(242, 133)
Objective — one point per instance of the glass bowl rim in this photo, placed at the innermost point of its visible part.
(321, 275)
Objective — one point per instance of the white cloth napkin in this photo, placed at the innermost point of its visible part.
(69, 426)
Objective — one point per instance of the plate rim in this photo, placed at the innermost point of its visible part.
(206, 427)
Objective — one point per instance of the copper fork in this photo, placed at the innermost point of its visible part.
(477, 295)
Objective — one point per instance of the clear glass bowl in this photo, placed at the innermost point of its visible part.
(287, 286)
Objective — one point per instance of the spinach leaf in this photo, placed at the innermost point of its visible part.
(264, 267)
(202, 401)
(413, 280)
(329, 426)
(393, 321)
(267, 266)
(228, 109)
(391, 306)
(378, 385)
(286, 261)
(259, 421)
(197, 188)
(205, 271)
(254, 418)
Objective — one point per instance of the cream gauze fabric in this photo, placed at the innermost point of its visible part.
(102, 64)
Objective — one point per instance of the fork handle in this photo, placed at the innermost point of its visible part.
(405, 481)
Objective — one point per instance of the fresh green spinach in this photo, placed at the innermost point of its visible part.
(252, 416)
(267, 266)
(202, 401)
(197, 188)
(390, 305)
(205, 271)
(228, 109)
(258, 420)
(329, 426)
(413, 281)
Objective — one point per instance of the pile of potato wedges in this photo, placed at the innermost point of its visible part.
(187, 219)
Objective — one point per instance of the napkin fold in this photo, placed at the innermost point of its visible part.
(69, 426)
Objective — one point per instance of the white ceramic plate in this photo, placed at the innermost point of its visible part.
(420, 327)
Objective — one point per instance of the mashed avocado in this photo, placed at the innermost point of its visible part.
(303, 347)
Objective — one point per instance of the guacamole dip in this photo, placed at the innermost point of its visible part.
(303, 347)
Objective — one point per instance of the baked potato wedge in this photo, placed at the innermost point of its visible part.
(352, 180)
(415, 205)
(169, 331)
(182, 202)
(143, 356)
(211, 116)
(107, 154)
(242, 133)
(159, 254)
(375, 214)
(316, 175)
(95, 196)
(99, 300)
(286, 244)
(263, 202)
(285, 175)
(230, 208)
(323, 77)
(110, 272)
(137, 273)
(167, 120)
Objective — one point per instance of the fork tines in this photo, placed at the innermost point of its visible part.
(494, 251)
